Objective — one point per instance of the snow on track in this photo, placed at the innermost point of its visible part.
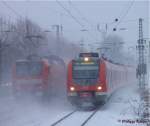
(120, 107)
(79, 118)
(76, 116)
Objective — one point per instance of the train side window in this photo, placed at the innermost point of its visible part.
(107, 75)
(109, 79)
(113, 75)
(116, 78)
(112, 78)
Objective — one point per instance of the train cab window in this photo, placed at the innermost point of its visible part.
(85, 74)
(28, 68)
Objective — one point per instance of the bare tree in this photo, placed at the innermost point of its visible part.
(112, 47)
(25, 38)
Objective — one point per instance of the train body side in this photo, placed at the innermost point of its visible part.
(118, 76)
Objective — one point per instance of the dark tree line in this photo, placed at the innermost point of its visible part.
(24, 38)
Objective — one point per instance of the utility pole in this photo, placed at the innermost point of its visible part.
(30, 36)
(141, 70)
(102, 31)
(82, 45)
(0, 62)
(142, 74)
(3, 44)
(1, 22)
(59, 28)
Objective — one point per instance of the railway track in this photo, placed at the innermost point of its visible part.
(63, 118)
(90, 116)
(72, 113)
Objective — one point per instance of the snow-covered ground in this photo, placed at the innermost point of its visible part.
(119, 111)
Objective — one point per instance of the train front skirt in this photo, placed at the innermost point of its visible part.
(87, 98)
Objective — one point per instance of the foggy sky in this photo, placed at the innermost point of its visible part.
(88, 13)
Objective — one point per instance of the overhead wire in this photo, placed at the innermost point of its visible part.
(82, 17)
(72, 16)
(79, 12)
(125, 14)
(69, 13)
(14, 11)
(10, 8)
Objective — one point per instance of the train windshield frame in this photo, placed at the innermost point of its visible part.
(27, 69)
(85, 74)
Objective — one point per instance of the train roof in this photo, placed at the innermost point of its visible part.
(28, 60)
(95, 56)
(113, 64)
(89, 54)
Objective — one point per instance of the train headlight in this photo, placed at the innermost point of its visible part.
(86, 59)
(99, 88)
(72, 88)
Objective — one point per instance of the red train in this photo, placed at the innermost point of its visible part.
(40, 77)
(91, 80)
(31, 76)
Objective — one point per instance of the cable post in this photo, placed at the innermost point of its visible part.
(1, 22)
(59, 28)
(142, 75)
(0, 62)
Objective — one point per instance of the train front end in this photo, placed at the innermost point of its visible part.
(30, 77)
(84, 85)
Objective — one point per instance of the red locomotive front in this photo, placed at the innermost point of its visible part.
(91, 80)
(31, 76)
(85, 83)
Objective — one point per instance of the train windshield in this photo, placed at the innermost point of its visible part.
(85, 74)
(24, 69)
